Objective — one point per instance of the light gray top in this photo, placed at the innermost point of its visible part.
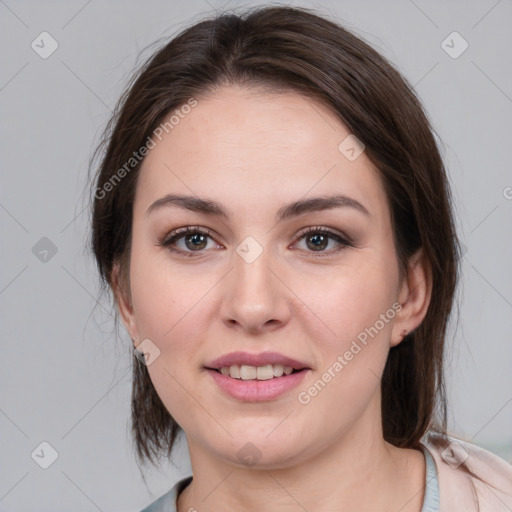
(167, 502)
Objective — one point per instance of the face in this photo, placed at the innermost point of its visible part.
(316, 284)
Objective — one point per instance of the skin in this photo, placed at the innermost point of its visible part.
(254, 151)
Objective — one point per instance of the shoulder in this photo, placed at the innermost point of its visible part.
(167, 502)
(488, 486)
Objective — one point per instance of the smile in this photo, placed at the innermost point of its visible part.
(253, 389)
(246, 372)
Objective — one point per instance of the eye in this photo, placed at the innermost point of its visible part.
(317, 239)
(194, 239)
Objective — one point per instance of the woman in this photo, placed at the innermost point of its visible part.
(273, 216)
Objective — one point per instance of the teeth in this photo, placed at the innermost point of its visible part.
(234, 371)
(265, 372)
(245, 372)
(278, 370)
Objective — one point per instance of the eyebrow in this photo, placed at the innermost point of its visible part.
(209, 207)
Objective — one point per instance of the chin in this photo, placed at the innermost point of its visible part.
(259, 451)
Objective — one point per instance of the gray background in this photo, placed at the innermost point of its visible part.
(65, 376)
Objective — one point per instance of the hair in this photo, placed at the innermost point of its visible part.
(294, 49)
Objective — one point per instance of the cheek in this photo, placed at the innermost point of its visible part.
(358, 309)
(359, 306)
(360, 314)
(351, 302)
(172, 310)
(164, 297)
(168, 312)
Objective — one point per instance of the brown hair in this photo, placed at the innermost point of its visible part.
(295, 49)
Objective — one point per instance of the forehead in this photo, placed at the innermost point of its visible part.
(241, 146)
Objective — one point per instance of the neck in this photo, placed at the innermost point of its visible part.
(361, 471)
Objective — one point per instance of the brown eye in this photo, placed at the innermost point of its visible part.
(196, 241)
(318, 239)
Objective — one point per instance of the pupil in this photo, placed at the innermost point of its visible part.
(319, 241)
(197, 237)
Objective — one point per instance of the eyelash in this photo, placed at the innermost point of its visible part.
(169, 239)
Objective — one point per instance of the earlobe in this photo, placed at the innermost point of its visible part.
(123, 301)
(414, 297)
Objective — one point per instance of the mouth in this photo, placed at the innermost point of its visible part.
(251, 377)
(247, 372)
(257, 384)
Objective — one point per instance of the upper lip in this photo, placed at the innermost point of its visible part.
(261, 359)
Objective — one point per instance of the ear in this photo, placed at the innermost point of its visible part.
(123, 299)
(414, 296)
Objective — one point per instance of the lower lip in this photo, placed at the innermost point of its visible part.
(257, 390)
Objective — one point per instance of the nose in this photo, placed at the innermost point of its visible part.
(255, 300)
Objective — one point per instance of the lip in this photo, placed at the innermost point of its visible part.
(257, 390)
(261, 359)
